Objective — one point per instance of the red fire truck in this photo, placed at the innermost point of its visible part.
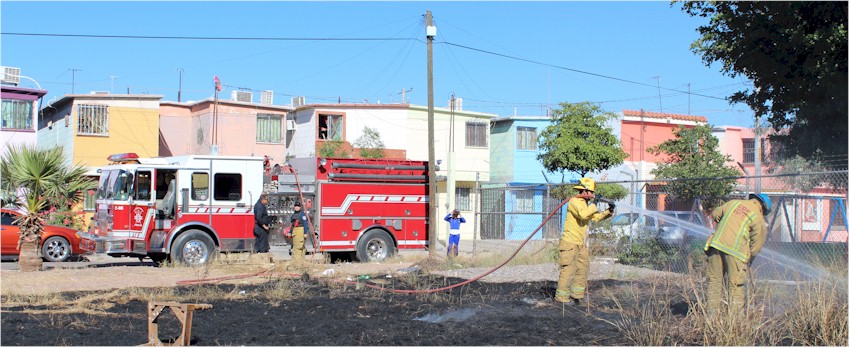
(187, 208)
(365, 208)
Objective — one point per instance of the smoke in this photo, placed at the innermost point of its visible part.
(456, 316)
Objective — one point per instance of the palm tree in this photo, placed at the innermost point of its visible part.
(31, 226)
(34, 180)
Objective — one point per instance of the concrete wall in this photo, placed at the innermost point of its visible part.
(187, 129)
(57, 130)
(502, 145)
(131, 129)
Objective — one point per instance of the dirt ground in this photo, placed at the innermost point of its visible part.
(513, 306)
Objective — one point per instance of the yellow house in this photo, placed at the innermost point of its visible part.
(90, 127)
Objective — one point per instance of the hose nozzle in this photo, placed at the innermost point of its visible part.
(604, 200)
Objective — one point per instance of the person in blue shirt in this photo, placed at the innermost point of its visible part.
(454, 220)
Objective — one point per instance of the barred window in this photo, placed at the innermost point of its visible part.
(750, 149)
(526, 138)
(92, 120)
(330, 127)
(476, 134)
(269, 128)
(89, 200)
(462, 198)
(524, 201)
(17, 114)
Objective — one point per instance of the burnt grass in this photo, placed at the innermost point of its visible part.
(334, 314)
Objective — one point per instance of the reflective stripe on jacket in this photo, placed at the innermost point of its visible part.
(741, 229)
(579, 214)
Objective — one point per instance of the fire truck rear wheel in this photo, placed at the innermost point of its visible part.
(193, 248)
(375, 246)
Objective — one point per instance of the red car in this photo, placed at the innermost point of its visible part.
(58, 243)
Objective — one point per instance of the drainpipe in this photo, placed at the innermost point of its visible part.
(747, 188)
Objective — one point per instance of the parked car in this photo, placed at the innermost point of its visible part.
(679, 229)
(58, 243)
(634, 226)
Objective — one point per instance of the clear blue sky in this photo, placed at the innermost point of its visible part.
(498, 56)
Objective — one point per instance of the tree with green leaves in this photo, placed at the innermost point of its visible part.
(795, 54)
(693, 154)
(578, 140)
(39, 183)
(370, 144)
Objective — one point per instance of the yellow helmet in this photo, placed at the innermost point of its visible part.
(586, 184)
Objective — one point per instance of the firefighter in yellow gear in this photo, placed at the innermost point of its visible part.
(300, 229)
(740, 234)
(573, 257)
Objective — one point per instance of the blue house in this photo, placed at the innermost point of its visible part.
(514, 163)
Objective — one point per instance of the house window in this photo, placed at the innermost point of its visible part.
(92, 120)
(17, 114)
(89, 200)
(269, 128)
(524, 201)
(476, 134)
(330, 127)
(526, 138)
(750, 149)
(462, 198)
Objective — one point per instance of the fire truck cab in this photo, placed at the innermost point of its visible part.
(182, 208)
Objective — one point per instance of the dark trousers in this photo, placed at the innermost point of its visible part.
(261, 240)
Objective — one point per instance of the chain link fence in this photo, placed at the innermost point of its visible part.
(656, 226)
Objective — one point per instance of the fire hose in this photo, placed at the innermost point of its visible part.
(502, 264)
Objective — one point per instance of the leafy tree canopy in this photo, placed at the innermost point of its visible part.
(795, 53)
(693, 154)
(370, 143)
(579, 141)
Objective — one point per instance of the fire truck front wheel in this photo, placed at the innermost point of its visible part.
(375, 246)
(192, 248)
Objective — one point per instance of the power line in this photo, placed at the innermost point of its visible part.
(579, 71)
(214, 37)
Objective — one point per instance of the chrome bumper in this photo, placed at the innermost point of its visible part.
(104, 245)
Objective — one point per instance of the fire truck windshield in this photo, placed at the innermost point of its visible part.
(123, 187)
(103, 189)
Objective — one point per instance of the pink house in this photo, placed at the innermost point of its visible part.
(803, 214)
(18, 124)
(235, 128)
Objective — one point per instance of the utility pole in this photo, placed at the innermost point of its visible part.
(658, 82)
(689, 98)
(73, 78)
(430, 32)
(450, 182)
(112, 82)
(403, 93)
(180, 88)
(758, 154)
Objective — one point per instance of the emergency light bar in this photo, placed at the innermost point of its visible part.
(123, 157)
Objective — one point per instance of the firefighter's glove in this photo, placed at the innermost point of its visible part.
(611, 207)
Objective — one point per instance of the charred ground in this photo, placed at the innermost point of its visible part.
(315, 312)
